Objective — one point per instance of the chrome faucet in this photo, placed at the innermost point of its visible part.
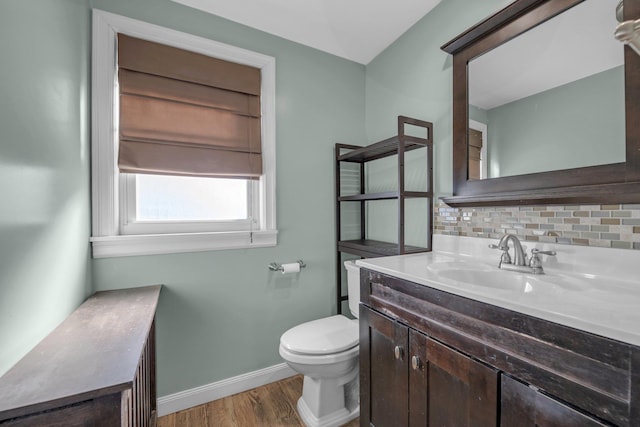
(519, 257)
(519, 263)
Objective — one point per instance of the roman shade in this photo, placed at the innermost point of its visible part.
(184, 113)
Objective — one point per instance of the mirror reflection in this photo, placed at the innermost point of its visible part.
(551, 98)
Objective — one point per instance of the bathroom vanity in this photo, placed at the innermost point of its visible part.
(448, 339)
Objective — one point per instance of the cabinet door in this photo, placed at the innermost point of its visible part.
(461, 391)
(418, 396)
(524, 406)
(383, 371)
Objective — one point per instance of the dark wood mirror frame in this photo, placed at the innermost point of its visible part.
(612, 183)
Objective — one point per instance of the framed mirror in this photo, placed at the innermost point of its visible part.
(546, 107)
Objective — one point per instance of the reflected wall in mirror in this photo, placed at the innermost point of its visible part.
(559, 140)
(550, 99)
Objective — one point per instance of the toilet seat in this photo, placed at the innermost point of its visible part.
(321, 359)
(321, 337)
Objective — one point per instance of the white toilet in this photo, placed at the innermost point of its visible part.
(325, 351)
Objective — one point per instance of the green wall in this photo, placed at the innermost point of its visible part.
(478, 114)
(413, 77)
(44, 169)
(221, 313)
(587, 116)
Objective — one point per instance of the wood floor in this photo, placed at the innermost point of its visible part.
(272, 405)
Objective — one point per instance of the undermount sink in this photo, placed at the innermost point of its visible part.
(485, 276)
(493, 279)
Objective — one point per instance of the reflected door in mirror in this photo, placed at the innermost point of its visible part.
(475, 154)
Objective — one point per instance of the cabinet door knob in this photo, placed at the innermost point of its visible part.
(416, 363)
(397, 351)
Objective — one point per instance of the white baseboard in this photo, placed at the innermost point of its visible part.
(209, 392)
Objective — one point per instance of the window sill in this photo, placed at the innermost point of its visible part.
(154, 244)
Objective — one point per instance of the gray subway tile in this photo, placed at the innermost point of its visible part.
(610, 236)
(620, 244)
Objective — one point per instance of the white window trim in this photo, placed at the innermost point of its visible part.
(107, 240)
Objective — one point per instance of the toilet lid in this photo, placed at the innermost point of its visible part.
(323, 336)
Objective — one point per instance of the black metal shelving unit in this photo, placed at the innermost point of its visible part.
(395, 146)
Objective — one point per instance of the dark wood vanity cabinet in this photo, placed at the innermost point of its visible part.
(431, 358)
(385, 375)
(416, 381)
(524, 406)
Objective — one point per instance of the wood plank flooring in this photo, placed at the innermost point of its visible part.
(272, 405)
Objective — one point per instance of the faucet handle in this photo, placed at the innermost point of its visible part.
(535, 251)
(506, 258)
(535, 263)
(502, 248)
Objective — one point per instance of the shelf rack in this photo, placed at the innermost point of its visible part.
(397, 145)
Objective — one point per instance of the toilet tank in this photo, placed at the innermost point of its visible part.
(353, 286)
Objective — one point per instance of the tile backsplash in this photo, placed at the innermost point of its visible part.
(609, 226)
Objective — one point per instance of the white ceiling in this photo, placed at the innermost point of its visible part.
(353, 29)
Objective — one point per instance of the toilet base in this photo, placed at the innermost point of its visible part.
(329, 402)
(335, 419)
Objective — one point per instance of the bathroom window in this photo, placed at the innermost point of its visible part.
(155, 204)
(149, 198)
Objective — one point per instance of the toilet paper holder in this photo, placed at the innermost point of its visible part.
(274, 266)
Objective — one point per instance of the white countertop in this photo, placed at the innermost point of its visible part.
(592, 289)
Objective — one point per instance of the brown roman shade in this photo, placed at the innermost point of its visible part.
(183, 113)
